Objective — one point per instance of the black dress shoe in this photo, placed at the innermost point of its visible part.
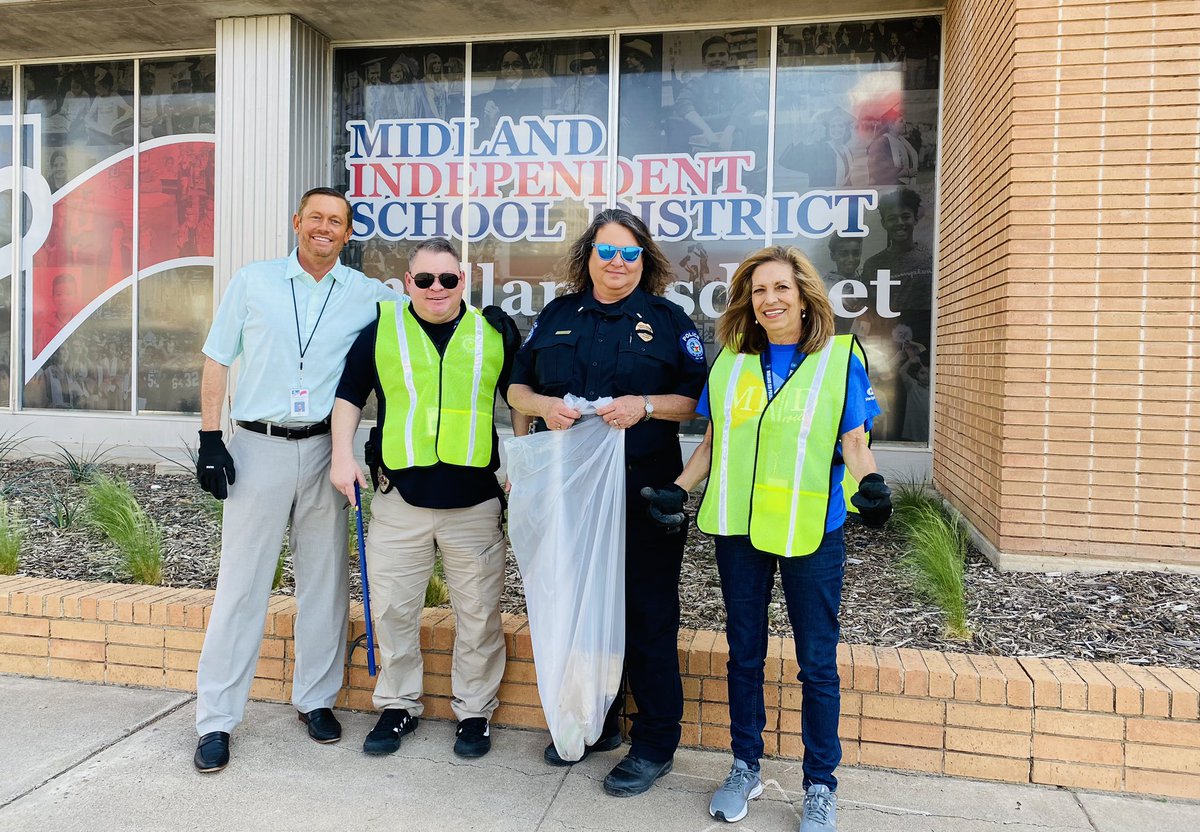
(322, 725)
(212, 752)
(605, 743)
(633, 775)
(385, 737)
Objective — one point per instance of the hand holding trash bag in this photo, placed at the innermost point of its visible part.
(665, 505)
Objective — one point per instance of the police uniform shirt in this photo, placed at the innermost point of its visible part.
(640, 345)
(440, 485)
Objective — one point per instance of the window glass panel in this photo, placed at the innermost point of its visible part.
(693, 113)
(540, 150)
(856, 128)
(175, 230)
(6, 211)
(396, 111)
(539, 154)
(78, 317)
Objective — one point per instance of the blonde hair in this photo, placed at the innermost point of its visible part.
(738, 329)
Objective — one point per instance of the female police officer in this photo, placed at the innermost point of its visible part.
(614, 334)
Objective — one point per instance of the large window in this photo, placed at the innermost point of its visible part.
(117, 284)
(822, 136)
(6, 220)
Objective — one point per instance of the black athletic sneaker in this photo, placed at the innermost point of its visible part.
(473, 737)
(385, 737)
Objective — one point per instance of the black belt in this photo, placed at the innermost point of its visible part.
(271, 429)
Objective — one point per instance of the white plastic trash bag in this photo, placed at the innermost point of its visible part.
(567, 526)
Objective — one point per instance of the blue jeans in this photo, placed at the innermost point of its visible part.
(812, 588)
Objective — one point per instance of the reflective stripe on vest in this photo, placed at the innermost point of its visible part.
(439, 407)
(771, 461)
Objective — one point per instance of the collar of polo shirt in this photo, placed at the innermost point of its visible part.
(340, 272)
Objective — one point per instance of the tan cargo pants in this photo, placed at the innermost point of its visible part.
(400, 559)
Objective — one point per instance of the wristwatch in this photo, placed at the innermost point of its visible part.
(649, 409)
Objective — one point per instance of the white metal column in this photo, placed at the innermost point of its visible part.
(273, 121)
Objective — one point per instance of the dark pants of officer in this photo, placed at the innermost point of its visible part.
(653, 559)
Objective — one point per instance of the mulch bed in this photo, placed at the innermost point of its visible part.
(1129, 617)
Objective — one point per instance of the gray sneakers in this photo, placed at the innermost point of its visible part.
(820, 810)
(731, 802)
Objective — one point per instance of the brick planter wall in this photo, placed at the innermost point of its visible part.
(1068, 723)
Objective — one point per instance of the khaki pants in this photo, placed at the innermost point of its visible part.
(277, 480)
(400, 558)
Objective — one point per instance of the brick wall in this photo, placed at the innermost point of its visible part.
(1096, 726)
(1067, 375)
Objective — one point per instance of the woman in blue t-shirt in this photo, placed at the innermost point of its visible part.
(791, 405)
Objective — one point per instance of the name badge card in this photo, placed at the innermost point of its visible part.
(299, 399)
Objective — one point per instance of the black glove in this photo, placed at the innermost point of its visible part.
(371, 456)
(873, 501)
(506, 326)
(666, 505)
(214, 465)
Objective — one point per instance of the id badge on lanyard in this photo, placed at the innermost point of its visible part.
(298, 396)
(298, 407)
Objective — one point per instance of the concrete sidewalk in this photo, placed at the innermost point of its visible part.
(84, 757)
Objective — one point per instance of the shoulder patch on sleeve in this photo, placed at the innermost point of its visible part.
(692, 345)
(532, 330)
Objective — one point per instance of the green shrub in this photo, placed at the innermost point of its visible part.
(437, 593)
(12, 535)
(114, 511)
(213, 507)
(9, 442)
(191, 453)
(64, 507)
(935, 553)
(911, 493)
(84, 466)
(280, 563)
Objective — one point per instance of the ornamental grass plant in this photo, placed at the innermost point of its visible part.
(935, 552)
(114, 511)
(12, 536)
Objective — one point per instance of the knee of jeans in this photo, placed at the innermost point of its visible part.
(743, 665)
(820, 676)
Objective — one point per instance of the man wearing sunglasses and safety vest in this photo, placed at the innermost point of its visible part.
(435, 365)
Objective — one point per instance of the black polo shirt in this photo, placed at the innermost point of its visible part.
(440, 485)
(641, 345)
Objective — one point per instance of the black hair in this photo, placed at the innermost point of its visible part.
(714, 39)
(903, 198)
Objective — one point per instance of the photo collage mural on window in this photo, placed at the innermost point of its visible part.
(512, 158)
(96, 228)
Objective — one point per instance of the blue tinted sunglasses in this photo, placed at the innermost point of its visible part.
(629, 254)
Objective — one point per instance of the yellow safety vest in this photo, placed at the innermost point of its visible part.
(771, 461)
(439, 407)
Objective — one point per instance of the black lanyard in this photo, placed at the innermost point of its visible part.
(296, 308)
(769, 377)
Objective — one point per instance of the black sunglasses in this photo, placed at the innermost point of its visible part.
(424, 280)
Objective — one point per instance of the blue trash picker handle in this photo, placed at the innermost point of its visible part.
(366, 587)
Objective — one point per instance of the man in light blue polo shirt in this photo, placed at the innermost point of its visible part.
(291, 321)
